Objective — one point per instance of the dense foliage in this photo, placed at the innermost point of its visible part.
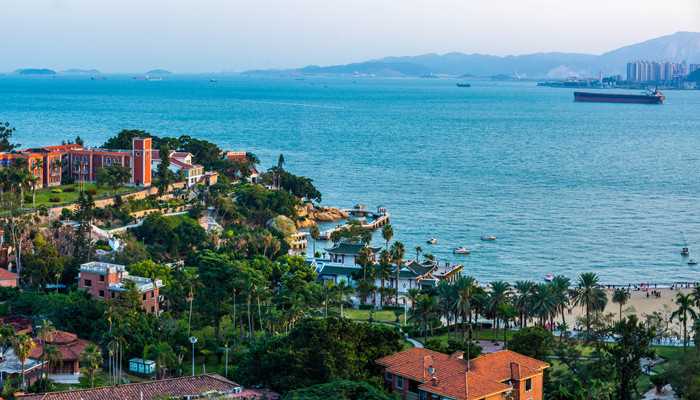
(340, 390)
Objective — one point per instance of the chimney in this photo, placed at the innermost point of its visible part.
(514, 371)
(428, 369)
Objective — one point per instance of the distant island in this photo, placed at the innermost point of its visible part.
(678, 47)
(35, 71)
(78, 71)
(159, 72)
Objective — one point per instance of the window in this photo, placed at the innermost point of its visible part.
(144, 296)
(113, 294)
(102, 293)
(399, 382)
(528, 385)
(102, 278)
(413, 386)
(387, 376)
(88, 282)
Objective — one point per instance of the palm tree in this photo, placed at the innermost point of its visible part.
(497, 296)
(364, 259)
(685, 309)
(45, 332)
(696, 295)
(544, 304)
(465, 288)
(91, 359)
(419, 250)
(315, 235)
(523, 300)
(343, 291)
(424, 312)
(412, 295)
(387, 234)
(561, 287)
(397, 253)
(53, 357)
(620, 296)
(446, 301)
(384, 272)
(23, 344)
(588, 295)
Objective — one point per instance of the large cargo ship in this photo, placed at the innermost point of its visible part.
(652, 97)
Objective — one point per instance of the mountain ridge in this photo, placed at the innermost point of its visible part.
(676, 47)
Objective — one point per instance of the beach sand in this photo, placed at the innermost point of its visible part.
(640, 305)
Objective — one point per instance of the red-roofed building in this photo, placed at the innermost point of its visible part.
(422, 374)
(7, 278)
(186, 387)
(70, 348)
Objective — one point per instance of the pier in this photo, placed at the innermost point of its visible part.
(379, 218)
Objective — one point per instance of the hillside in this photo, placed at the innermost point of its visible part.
(676, 47)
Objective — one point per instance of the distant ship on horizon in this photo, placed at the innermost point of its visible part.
(651, 97)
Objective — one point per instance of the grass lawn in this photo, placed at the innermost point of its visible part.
(44, 195)
(379, 315)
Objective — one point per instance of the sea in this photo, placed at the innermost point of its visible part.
(565, 187)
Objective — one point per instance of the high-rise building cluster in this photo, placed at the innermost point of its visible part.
(654, 71)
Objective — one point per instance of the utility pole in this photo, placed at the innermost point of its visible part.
(193, 340)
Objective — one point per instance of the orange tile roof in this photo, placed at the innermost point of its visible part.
(453, 377)
(6, 275)
(68, 344)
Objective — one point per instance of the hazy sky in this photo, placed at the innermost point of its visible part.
(233, 35)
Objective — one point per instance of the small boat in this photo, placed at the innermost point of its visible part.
(461, 250)
(549, 277)
(432, 241)
(212, 80)
(488, 238)
(692, 262)
(464, 85)
(685, 252)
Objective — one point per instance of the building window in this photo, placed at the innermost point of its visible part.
(413, 386)
(102, 293)
(387, 376)
(113, 295)
(423, 396)
(399, 382)
(88, 282)
(144, 296)
(528, 385)
(102, 278)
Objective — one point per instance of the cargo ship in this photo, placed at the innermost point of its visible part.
(651, 97)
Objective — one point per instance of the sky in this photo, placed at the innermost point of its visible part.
(236, 35)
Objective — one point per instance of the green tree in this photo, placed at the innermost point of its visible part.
(83, 244)
(22, 345)
(340, 390)
(124, 139)
(632, 342)
(387, 234)
(384, 272)
(164, 176)
(535, 342)
(397, 253)
(588, 295)
(315, 235)
(44, 265)
(683, 312)
(164, 356)
(620, 296)
(91, 359)
(113, 176)
(6, 132)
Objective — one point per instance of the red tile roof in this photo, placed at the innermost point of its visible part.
(68, 344)
(151, 390)
(19, 324)
(6, 275)
(453, 377)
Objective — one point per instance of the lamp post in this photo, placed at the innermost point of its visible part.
(193, 340)
(226, 360)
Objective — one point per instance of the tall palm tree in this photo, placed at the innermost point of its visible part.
(587, 295)
(696, 295)
(424, 312)
(498, 295)
(91, 359)
(343, 291)
(523, 299)
(419, 250)
(53, 358)
(620, 296)
(446, 294)
(315, 235)
(685, 309)
(544, 302)
(465, 288)
(387, 234)
(45, 332)
(397, 252)
(22, 345)
(384, 272)
(561, 288)
(364, 259)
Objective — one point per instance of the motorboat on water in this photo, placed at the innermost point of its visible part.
(692, 262)
(432, 241)
(488, 238)
(461, 250)
(549, 277)
(685, 252)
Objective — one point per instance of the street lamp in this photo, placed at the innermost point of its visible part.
(226, 361)
(193, 340)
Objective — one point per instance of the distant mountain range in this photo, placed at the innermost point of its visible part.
(678, 47)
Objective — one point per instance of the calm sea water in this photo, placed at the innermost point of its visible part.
(565, 187)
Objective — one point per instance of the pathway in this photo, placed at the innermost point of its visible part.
(415, 343)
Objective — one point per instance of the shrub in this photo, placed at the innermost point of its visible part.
(92, 191)
(55, 199)
(66, 214)
(56, 190)
(27, 198)
(69, 189)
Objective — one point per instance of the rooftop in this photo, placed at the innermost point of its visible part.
(349, 248)
(452, 376)
(101, 267)
(184, 387)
